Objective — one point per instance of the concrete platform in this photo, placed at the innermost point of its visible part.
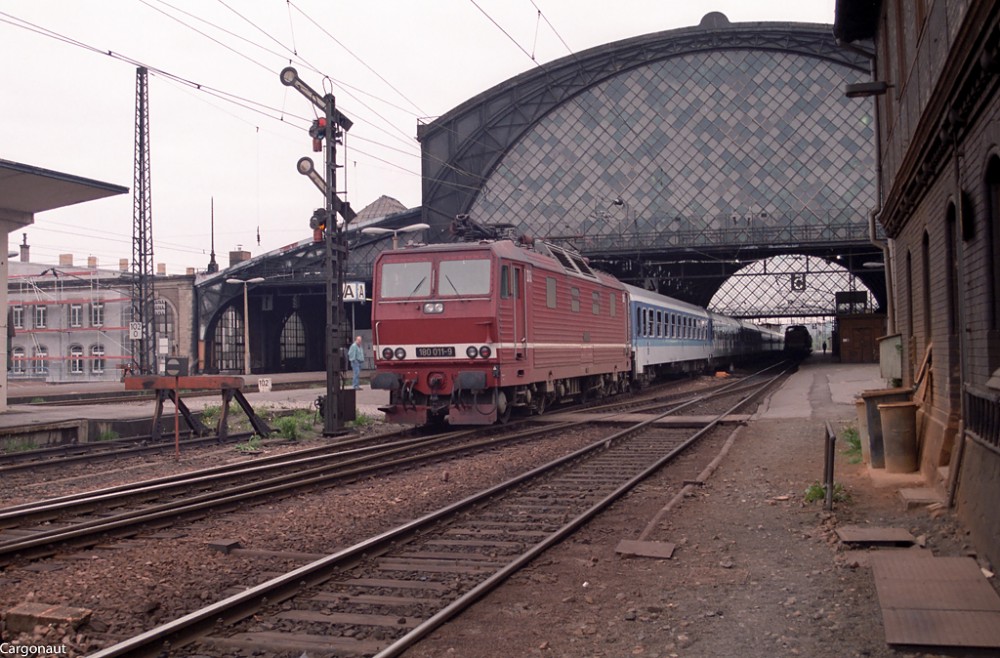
(289, 391)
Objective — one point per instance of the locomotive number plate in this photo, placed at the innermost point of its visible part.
(425, 352)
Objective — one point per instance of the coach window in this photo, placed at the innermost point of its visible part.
(464, 277)
(404, 280)
(550, 292)
(574, 300)
(596, 306)
(505, 282)
(659, 323)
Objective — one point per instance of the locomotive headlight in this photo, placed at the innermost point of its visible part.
(433, 307)
(485, 351)
(471, 351)
(400, 353)
(387, 354)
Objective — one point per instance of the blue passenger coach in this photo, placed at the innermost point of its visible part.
(670, 336)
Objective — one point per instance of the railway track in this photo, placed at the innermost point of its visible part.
(101, 451)
(382, 595)
(42, 528)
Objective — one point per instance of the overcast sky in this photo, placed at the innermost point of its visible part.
(222, 125)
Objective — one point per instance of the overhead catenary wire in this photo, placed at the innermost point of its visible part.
(237, 100)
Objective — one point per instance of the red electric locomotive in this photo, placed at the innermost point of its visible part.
(468, 332)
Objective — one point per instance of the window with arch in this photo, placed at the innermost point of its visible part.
(76, 360)
(925, 288)
(992, 180)
(912, 290)
(227, 345)
(17, 361)
(40, 357)
(293, 339)
(951, 227)
(97, 359)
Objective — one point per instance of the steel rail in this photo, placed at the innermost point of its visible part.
(45, 542)
(244, 604)
(157, 484)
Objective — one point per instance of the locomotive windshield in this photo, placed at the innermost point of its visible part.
(464, 277)
(404, 280)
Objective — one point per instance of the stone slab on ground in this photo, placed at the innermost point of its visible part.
(918, 496)
(655, 549)
(944, 602)
(856, 534)
(25, 616)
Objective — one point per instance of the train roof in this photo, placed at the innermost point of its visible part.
(650, 297)
(540, 254)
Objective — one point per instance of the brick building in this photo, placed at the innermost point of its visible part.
(935, 87)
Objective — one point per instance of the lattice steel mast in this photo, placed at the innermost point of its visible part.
(142, 329)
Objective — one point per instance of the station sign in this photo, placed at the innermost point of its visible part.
(354, 291)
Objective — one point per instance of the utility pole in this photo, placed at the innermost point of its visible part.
(142, 328)
(329, 129)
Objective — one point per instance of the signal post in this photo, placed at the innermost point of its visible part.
(330, 129)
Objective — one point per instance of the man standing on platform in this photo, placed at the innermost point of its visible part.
(356, 355)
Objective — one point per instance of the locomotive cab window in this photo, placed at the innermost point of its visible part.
(596, 306)
(550, 292)
(404, 280)
(574, 300)
(463, 277)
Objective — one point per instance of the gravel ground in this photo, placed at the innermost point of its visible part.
(757, 572)
(137, 584)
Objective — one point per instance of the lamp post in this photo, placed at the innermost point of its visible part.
(246, 319)
(412, 228)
